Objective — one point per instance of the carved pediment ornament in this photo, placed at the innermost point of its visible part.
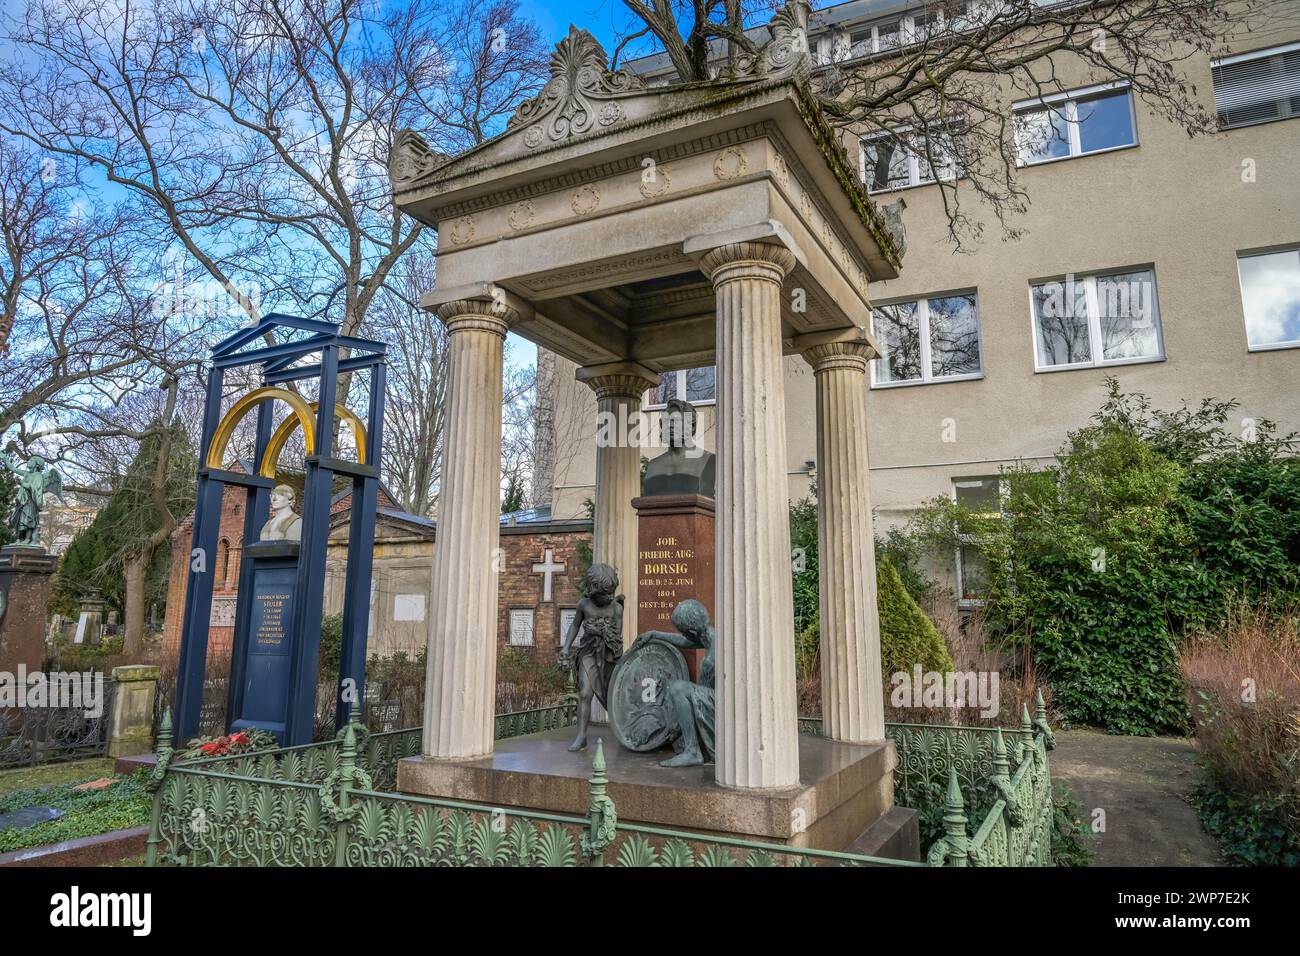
(578, 95)
(410, 157)
(785, 54)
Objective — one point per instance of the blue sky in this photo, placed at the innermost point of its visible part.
(601, 18)
(598, 16)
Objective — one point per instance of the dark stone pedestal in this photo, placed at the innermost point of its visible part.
(675, 544)
(25, 584)
(264, 640)
(845, 792)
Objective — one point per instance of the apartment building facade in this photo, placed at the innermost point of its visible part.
(1170, 263)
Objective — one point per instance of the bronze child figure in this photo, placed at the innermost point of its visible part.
(600, 621)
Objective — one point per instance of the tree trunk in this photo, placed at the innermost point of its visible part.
(134, 569)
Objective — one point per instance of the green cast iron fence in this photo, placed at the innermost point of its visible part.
(331, 803)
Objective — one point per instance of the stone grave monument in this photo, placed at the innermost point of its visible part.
(636, 230)
(26, 567)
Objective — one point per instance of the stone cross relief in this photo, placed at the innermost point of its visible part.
(549, 567)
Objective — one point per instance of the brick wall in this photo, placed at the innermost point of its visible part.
(521, 588)
(224, 565)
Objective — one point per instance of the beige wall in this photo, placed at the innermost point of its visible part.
(1175, 204)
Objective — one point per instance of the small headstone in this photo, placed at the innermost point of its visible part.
(28, 817)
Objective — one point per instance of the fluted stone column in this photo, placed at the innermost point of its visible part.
(618, 389)
(757, 729)
(460, 688)
(852, 688)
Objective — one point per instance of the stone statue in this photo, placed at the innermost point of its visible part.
(685, 468)
(892, 213)
(682, 711)
(284, 523)
(35, 481)
(599, 620)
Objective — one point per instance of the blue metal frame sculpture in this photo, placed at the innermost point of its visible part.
(337, 353)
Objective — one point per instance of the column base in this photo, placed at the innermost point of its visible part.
(845, 793)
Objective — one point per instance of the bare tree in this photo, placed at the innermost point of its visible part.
(256, 131)
(83, 333)
(519, 431)
(417, 384)
(939, 91)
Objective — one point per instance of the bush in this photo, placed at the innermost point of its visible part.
(1147, 524)
(524, 684)
(331, 647)
(803, 563)
(1071, 835)
(1244, 691)
(907, 637)
(1251, 832)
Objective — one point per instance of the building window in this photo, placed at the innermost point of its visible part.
(902, 30)
(521, 626)
(696, 385)
(1074, 124)
(1257, 87)
(927, 340)
(904, 158)
(1270, 298)
(1102, 319)
(983, 497)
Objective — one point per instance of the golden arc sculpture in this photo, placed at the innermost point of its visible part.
(304, 417)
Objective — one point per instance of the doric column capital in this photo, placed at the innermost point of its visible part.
(483, 315)
(825, 356)
(739, 260)
(618, 379)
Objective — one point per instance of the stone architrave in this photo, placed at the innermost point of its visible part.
(758, 735)
(675, 561)
(852, 685)
(460, 694)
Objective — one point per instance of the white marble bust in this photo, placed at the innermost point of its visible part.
(284, 523)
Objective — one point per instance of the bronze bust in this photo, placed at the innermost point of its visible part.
(685, 468)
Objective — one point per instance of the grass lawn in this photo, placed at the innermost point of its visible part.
(123, 804)
(51, 774)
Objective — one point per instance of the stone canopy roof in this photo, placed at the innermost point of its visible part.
(589, 118)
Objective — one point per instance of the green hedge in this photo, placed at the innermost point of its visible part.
(907, 636)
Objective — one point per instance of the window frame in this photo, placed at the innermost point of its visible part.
(923, 330)
(1094, 320)
(1067, 103)
(1264, 53)
(681, 390)
(914, 161)
(1294, 249)
(936, 21)
(1004, 495)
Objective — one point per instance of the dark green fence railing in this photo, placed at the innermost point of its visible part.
(332, 803)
